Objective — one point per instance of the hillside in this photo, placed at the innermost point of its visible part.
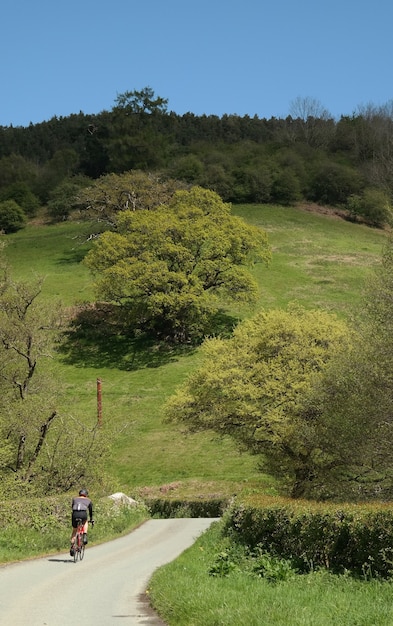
(318, 259)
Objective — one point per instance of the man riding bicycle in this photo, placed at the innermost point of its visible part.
(81, 506)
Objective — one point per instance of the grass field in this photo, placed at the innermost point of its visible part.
(319, 260)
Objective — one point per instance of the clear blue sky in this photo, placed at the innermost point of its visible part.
(251, 57)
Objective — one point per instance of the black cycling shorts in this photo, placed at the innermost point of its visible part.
(78, 515)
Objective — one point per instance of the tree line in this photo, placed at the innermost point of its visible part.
(308, 156)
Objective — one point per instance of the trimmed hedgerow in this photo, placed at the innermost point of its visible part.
(341, 538)
(166, 507)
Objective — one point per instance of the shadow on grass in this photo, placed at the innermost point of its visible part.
(118, 351)
(97, 338)
(74, 256)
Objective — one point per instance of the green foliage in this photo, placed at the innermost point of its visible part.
(286, 188)
(26, 332)
(223, 565)
(354, 397)
(318, 259)
(272, 568)
(341, 538)
(116, 519)
(12, 216)
(14, 168)
(170, 507)
(63, 198)
(333, 183)
(23, 196)
(143, 101)
(188, 168)
(103, 199)
(253, 388)
(39, 446)
(235, 558)
(373, 206)
(168, 268)
(306, 156)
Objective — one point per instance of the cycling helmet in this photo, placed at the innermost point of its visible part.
(83, 492)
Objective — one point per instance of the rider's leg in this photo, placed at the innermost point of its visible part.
(85, 528)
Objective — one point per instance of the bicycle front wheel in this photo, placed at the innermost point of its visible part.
(82, 551)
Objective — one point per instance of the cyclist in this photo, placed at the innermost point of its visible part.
(81, 507)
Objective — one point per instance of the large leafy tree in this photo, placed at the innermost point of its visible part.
(253, 387)
(134, 190)
(170, 268)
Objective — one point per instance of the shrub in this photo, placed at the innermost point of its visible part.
(357, 539)
(286, 187)
(272, 568)
(167, 508)
(373, 206)
(23, 196)
(12, 216)
(332, 183)
(32, 526)
(63, 198)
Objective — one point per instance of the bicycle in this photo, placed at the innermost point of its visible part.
(79, 545)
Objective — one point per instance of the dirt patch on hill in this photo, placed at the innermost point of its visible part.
(312, 207)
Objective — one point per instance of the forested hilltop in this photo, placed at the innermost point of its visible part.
(308, 156)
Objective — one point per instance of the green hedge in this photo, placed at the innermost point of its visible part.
(167, 508)
(356, 539)
(37, 513)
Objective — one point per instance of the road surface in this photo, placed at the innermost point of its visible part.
(105, 589)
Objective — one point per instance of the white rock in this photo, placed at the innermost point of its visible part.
(122, 498)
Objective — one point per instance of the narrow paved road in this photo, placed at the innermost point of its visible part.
(104, 589)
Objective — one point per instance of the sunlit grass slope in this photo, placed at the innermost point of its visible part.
(319, 260)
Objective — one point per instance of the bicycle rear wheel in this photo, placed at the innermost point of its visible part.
(78, 546)
(82, 551)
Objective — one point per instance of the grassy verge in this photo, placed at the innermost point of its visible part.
(36, 534)
(185, 593)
